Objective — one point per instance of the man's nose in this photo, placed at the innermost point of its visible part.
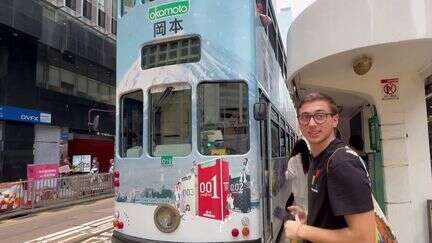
(312, 122)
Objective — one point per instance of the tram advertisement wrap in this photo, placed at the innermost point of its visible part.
(213, 188)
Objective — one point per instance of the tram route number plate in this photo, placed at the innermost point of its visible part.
(166, 160)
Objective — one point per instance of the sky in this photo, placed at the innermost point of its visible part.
(286, 17)
(297, 6)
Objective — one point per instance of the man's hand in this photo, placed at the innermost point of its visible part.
(299, 212)
(291, 229)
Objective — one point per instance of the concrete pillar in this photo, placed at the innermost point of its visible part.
(407, 168)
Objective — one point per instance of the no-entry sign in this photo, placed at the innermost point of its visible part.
(390, 89)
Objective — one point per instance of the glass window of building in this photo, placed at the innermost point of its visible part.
(170, 120)
(223, 119)
(71, 4)
(131, 125)
(40, 74)
(81, 86)
(92, 88)
(114, 26)
(112, 94)
(87, 9)
(104, 92)
(126, 6)
(67, 82)
(53, 78)
(101, 13)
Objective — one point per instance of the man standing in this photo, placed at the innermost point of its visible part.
(340, 207)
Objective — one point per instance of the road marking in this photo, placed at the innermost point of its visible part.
(76, 231)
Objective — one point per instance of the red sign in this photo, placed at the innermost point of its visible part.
(212, 189)
(390, 88)
(42, 171)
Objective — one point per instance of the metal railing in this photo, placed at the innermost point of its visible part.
(25, 195)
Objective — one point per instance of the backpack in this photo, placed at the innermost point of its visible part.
(383, 232)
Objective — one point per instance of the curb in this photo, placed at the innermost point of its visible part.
(60, 205)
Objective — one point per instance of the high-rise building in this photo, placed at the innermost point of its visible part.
(57, 61)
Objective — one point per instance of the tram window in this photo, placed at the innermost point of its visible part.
(131, 124)
(184, 50)
(170, 121)
(275, 139)
(282, 141)
(126, 6)
(223, 118)
(290, 145)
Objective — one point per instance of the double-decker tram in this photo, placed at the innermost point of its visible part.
(205, 122)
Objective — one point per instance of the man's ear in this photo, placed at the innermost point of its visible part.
(335, 120)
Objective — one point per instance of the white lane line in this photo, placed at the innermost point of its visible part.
(72, 230)
(83, 230)
(91, 231)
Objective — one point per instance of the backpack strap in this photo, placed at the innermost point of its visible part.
(346, 148)
(331, 157)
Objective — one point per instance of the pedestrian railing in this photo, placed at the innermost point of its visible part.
(25, 195)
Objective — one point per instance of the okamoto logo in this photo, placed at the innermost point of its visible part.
(166, 10)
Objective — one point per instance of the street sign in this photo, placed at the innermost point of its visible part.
(390, 89)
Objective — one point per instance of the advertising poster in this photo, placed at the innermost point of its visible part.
(42, 171)
(213, 188)
(81, 163)
(11, 196)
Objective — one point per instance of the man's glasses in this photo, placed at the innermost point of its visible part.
(319, 117)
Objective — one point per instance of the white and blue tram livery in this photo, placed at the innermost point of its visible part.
(205, 122)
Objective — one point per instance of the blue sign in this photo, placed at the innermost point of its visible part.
(24, 115)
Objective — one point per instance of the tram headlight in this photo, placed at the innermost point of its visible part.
(166, 218)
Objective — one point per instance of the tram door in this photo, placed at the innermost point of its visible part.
(265, 168)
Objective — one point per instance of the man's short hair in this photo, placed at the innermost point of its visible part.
(316, 96)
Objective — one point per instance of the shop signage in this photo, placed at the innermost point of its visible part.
(167, 10)
(42, 171)
(24, 115)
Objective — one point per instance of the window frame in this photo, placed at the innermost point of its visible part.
(198, 127)
(121, 149)
(149, 150)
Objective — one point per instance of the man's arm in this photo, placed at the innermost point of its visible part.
(361, 229)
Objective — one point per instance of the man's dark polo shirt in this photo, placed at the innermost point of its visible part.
(344, 190)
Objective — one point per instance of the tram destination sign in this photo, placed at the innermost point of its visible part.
(167, 10)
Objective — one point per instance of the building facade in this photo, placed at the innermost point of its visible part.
(375, 59)
(57, 61)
